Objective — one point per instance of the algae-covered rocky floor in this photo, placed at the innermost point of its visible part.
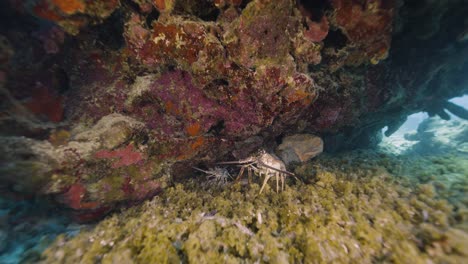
(359, 207)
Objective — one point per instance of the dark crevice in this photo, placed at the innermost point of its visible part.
(171, 68)
(110, 32)
(415, 4)
(211, 16)
(63, 81)
(132, 6)
(244, 4)
(217, 128)
(14, 21)
(214, 88)
(314, 9)
(336, 39)
(279, 139)
(316, 67)
(222, 82)
(153, 16)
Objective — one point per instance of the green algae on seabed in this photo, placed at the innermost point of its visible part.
(360, 207)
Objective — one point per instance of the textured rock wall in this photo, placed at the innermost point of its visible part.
(103, 102)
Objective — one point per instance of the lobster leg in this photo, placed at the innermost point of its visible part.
(241, 172)
(267, 177)
(282, 177)
(277, 181)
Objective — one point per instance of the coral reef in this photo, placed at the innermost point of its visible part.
(106, 102)
(109, 104)
(356, 207)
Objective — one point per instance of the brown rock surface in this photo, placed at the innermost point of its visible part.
(300, 148)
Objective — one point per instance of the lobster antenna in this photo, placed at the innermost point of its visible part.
(198, 169)
(234, 162)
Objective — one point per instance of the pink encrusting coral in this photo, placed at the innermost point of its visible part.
(246, 112)
(317, 31)
(125, 156)
(74, 195)
(184, 104)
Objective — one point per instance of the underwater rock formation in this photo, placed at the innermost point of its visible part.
(361, 208)
(180, 83)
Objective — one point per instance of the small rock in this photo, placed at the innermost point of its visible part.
(300, 148)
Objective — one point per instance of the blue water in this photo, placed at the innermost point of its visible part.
(461, 101)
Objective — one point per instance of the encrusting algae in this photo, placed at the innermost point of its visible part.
(359, 207)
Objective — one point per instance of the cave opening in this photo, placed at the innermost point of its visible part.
(424, 134)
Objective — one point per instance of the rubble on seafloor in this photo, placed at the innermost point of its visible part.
(360, 206)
